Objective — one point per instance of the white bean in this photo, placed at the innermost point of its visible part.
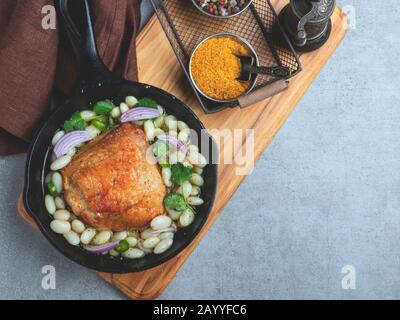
(118, 236)
(72, 238)
(71, 152)
(59, 202)
(62, 215)
(158, 132)
(179, 190)
(186, 218)
(186, 163)
(146, 234)
(160, 222)
(57, 136)
(151, 242)
(193, 148)
(60, 163)
(181, 155)
(93, 131)
(197, 179)
(49, 204)
(102, 237)
(78, 226)
(173, 126)
(198, 170)
(186, 189)
(131, 101)
(132, 241)
(195, 201)
(173, 157)
(123, 107)
(139, 122)
(160, 109)
(48, 177)
(88, 235)
(145, 250)
(158, 122)
(88, 115)
(115, 112)
(184, 136)
(182, 125)
(60, 227)
(197, 159)
(195, 191)
(173, 133)
(163, 246)
(114, 253)
(174, 215)
(58, 181)
(171, 123)
(166, 175)
(166, 235)
(149, 130)
(133, 233)
(133, 253)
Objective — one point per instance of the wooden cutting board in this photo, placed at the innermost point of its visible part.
(158, 66)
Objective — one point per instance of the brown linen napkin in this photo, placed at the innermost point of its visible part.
(33, 60)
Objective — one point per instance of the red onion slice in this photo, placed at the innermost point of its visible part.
(169, 229)
(69, 141)
(140, 113)
(102, 248)
(171, 140)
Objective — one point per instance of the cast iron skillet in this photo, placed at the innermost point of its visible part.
(98, 83)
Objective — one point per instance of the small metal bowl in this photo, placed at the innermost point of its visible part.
(238, 38)
(222, 17)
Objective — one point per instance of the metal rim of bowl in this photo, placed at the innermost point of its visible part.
(217, 35)
(222, 17)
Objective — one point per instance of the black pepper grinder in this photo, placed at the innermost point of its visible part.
(308, 23)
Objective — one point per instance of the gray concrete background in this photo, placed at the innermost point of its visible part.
(324, 195)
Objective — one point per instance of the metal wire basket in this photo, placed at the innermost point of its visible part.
(185, 27)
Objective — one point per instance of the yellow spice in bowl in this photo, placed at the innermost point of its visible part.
(215, 68)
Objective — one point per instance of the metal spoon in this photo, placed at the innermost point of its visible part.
(248, 68)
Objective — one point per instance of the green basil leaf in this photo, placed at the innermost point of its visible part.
(76, 117)
(123, 246)
(146, 102)
(76, 122)
(99, 125)
(180, 173)
(80, 125)
(68, 126)
(103, 107)
(51, 188)
(175, 201)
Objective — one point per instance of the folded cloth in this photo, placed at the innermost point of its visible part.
(34, 60)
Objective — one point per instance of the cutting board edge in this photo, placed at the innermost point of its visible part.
(155, 293)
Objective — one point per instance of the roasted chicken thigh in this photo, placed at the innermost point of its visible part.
(111, 184)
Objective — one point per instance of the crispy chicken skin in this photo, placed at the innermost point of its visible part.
(111, 184)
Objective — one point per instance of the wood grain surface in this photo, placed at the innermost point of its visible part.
(159, 67)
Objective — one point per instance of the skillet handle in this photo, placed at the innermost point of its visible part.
(90, 67)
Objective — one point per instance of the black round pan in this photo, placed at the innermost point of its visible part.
(98, 83)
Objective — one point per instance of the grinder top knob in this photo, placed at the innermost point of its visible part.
(307, 22)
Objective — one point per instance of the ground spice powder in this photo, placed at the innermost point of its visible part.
(215, 68)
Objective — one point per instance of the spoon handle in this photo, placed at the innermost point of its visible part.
(278, 72)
